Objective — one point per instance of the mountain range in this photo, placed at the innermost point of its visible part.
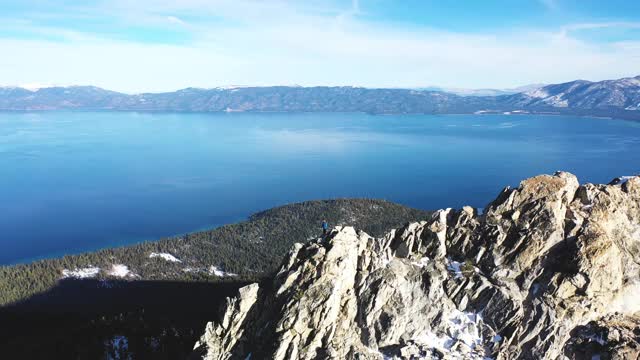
(610, 98)
(484, 92)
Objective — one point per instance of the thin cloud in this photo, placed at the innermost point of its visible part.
(602, 25)
(567, 30)
(281, 42)
(175, 20)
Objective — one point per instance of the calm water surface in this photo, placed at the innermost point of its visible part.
(71, 182)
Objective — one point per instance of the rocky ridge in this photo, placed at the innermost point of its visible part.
(551, 270)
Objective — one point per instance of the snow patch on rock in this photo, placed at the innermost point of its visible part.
(557, 101)
(421, 263)
(621, 180)
(214, 270)
(462, 328)
(537, 93)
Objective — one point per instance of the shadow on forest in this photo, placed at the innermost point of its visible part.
(87, 319)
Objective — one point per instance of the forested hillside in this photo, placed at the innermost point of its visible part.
(242, 251)
(151, 300)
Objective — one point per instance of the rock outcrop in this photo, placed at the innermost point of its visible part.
(549, 271)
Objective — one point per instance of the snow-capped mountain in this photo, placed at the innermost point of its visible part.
(581, 94)
(485, 92)
(611, 98)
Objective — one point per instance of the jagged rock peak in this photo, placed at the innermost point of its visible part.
(549, 271)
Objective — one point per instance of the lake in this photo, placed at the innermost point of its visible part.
(79, 181)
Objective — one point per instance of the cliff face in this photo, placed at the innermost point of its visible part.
(549, 271)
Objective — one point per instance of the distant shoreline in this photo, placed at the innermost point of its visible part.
(635, 117)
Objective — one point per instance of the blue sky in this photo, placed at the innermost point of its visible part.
(161, 45)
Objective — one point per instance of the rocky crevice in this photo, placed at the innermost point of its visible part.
(547, 263)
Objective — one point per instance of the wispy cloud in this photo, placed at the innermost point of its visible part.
(601, 25)
(285, 42)
(175, 20)
(621, 24)
(620, 30)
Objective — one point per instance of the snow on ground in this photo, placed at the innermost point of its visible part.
(455, 267)
(385, 260)
(557, 101)
(480, 253)
(83, 273)
(466, 327)
(434, 341)
(623, 179)
(537, 93)
(421, 263)
(165, 256)
(121, 271)
(230, 87)
(214, 270)
(33, 87)
(460, 327)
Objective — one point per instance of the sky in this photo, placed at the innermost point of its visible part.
(164, 45)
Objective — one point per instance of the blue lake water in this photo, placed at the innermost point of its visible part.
(78, 181)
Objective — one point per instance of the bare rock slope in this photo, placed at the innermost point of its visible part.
(549, 271)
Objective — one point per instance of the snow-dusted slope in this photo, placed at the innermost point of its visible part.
(605, 98)
(580, 94)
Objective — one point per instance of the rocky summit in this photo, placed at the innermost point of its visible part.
(549, 271)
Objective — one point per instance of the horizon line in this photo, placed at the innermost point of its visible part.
(433, 88)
